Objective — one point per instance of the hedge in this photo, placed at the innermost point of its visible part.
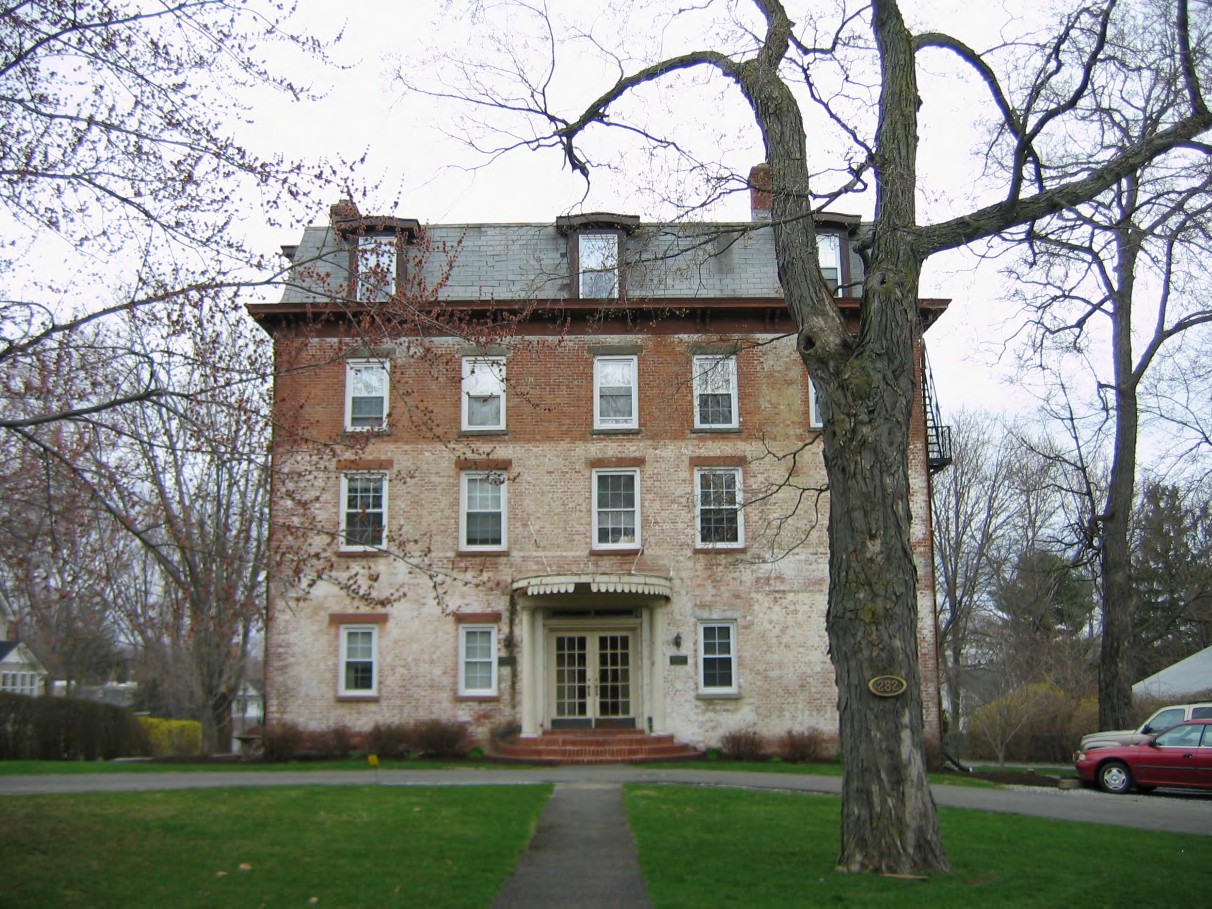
(66, 729)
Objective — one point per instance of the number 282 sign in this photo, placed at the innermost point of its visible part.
(887, 686)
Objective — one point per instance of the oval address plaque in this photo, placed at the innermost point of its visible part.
(887, 686)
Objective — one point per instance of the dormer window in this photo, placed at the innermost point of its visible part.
(376, 267)
(829, 247)
(375, 245)
(597, 253)
(598, 265)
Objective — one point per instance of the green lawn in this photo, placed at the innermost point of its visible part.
(344, 846)
(388, 846)
(721, 847)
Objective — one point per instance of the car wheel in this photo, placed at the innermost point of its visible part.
(1115, 777)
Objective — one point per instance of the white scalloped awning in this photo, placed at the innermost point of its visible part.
(650, 585)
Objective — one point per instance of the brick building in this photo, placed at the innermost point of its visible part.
(574, 484)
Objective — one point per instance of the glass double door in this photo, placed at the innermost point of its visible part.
(592, 679)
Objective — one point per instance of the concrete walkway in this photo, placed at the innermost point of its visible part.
(582, 855)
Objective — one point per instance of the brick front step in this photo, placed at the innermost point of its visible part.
(596, 746)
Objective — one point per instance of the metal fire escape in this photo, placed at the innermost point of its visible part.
(938, 436)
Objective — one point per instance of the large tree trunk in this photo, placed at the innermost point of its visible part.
(866, 389)
(889, 821)
(1116, 660)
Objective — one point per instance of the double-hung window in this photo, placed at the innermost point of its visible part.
(715, 401)
(598, 259)
(717, 499)
(366, 389)
(482, 513)
(717, 658)
(483, 393)
(376, 267)
(478, 660)
(616, 509)
(615, 396)
(363, 511)
(829, 246)
(359, 673)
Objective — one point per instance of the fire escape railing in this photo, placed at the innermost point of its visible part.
(938, 436)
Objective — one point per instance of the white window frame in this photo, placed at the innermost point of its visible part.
(731, 656)
(21, 682)
(353, 369)
(343, 688)
(623, 543)
(464, 689)
(710, 369)
(735, 472)
(815, 420)
(376, 252)
(829, 250)
(498, 479)
(481, 375)
(598, 265)
(346, 546)
(600, 422)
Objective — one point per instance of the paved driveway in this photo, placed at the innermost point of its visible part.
(1172, 812)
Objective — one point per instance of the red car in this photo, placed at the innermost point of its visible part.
(1180, 757)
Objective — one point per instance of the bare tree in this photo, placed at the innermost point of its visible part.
(56, 560)
(1110, 283)
(865, 381)
(120, 165)
(975, 509)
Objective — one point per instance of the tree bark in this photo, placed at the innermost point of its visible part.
(866, 387)
(1116, 663)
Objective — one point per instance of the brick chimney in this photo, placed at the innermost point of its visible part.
(760, 200)
(344, 214)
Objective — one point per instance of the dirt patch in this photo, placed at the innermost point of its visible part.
(1008, 777)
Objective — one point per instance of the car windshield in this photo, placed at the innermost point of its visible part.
(1181, 737)
(1164, 720)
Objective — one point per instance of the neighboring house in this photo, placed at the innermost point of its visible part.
(1184, 679)
(20, 671)
(605, 512)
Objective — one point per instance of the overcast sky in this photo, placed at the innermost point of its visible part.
(436, 179)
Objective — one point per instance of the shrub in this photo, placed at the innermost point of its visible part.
(336, 741)
(806, 747)
(1031, 723)
(1084, 719)
(18, 731)
(57, 729)
(281, 741)
(439, 738)
(505, 734)
(743, 745)
(389, 740)
(172, 738)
